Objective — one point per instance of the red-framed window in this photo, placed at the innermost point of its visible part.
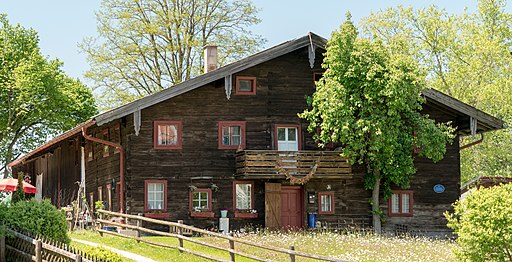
(155, 195)
(116, 136)
(231, 134)
(109, 197)
(105, 148)
(325, 202)
(245, 85)
(89, 149)
(200, 200)
(167, 134)
(243, 195)
(284, 132)
(91, 199)
(100, 193)
(401, 203)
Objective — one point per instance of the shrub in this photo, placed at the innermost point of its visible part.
(483, 223)
(40, 218)
(101, 253)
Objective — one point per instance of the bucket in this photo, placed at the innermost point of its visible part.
(311, 220)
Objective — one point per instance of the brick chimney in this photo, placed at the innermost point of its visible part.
(210, 58)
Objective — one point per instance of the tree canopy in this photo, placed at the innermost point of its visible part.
(466, 56)
(369, 101)
(146, 46)
(37, 100)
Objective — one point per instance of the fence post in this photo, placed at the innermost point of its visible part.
(292, 256)
(100, 215)
(137, 232)
(39, 249)
(180, 232)
(2, 244)
(232, 247)
(78, 258)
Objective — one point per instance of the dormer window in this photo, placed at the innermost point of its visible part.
(245, 85)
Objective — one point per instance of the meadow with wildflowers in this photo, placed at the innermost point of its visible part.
(349, 246)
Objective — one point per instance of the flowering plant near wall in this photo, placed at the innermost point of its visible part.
(247, 211)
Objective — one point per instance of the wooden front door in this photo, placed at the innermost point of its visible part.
(291, 207)
(273, 205)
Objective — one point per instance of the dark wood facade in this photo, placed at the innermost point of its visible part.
(282, 84)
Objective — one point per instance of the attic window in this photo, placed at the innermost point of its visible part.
(245, 85)
(167, 134)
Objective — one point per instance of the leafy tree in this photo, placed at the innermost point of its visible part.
(468, 57)
(369, 100)
(146, 46)
(19, 194)
(37, 99)
(483, 224)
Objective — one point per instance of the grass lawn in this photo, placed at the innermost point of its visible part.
(351, 247)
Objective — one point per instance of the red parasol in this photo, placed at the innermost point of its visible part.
(11, 184)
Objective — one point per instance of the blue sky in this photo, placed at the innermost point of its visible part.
(62, 24)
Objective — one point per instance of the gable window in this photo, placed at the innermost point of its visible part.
(400, 203)
(89, 150)
(325, 202)
(167, 134)
(100, 194)
(105, 147)
(231, 134)
(155, 195)
(245, 85)
(116, 138)
(243, 198)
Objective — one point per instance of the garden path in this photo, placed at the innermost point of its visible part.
(123, 253)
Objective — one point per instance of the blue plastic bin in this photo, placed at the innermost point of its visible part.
(311, 220)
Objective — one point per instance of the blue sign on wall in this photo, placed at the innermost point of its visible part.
(439, 188)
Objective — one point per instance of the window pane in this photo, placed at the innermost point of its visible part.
(394, 203)
(243, 196)
(235, 130)
(167, 135)
(155, 196)
(281, 134)
(405, 203)
(325, 203)
(200, 200)
(245, 85)
(292, 135)
(236, 140)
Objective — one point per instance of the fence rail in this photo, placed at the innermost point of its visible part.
(22, 247)
(292, 253)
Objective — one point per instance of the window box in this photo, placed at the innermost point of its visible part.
(245, 86)
(202, 214)
(231, 134)
(157, 215)
(400, 204)
(167, 134)
(246, 215)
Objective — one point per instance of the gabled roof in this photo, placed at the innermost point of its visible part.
(486, 122)
(248, 62)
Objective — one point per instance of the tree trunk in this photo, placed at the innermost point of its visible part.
(375, 203)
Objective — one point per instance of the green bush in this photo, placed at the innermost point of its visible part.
(101, 253)
(40, 218)
(483, 224)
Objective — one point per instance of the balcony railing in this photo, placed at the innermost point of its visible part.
(261, 164)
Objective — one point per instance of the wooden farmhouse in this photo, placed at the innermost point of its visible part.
(231, 139)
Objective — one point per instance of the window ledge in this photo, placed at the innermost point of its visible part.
(246, 215)
(202, 214)
(157, 215)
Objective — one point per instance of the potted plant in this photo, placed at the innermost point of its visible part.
(224, 212)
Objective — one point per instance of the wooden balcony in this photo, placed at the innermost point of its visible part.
(261, 164)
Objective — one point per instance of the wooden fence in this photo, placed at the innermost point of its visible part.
(15, 246)
(181, 228)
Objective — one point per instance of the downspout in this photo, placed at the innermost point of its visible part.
(473, 143)
(121, 163)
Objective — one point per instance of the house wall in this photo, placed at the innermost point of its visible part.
(282, 85)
